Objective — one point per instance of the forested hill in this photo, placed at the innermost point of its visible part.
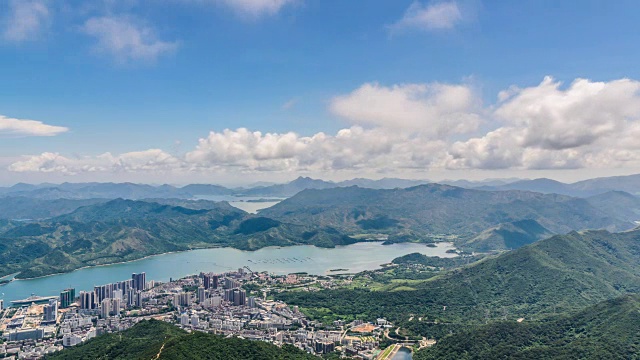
(122, 230)
(145, 339)
(608, 330)
(439, 209)
(559, 274)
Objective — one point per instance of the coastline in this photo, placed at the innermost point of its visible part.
(181, 251)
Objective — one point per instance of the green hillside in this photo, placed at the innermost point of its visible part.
(608, 330)
(122, 230)
(145, 340)
(559, 274)
(507, 236)
(433, 209)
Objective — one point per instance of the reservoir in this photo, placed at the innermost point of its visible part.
(279, 260)
(403, 354)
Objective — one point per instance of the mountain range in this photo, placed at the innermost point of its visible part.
(586, 188)
(67, 234)
(434, 210)
(121, 230)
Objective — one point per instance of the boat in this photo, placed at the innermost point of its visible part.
(33, 299)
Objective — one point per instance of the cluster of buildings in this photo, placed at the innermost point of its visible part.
(213, 303)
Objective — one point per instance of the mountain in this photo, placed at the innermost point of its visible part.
(608, 330)
(154, 339)
(630, 184)
(433, 210)
(288, 189)
(556, 275)
(471, 184)
(543, 185)
(94, 191)
(206, 189)
(619, 204)
(585, 188)
(508, 236)
(33, 208)
(384, 183)
(122, 230)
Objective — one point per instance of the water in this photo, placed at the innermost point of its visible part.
(242, 202)
(357, 257)
(403, 354)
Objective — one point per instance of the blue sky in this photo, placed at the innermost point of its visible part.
(413, 86)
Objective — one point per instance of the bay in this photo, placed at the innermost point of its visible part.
(279, 260)
(250, 204)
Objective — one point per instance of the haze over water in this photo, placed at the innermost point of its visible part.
(357, 257)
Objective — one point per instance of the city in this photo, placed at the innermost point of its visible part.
(234, 303)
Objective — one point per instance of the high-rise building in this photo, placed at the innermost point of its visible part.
(201, 295)
(139, 281)
(252, 302)
(138, 301)
(105, 308)
(67, 297)
(239, 297)
(182, 299)
(231, 284)
(210, 281)
(50, 311)
(228, 295)
(116, 304)
(88, 300)
(195, 320)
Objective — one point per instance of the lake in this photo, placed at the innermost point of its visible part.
(403, 354)
(250, 204)
(280, 260)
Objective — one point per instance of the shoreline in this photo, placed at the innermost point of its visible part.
(203, 248)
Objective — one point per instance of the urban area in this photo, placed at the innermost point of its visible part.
(230, 304)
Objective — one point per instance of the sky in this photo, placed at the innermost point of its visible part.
(240, 91)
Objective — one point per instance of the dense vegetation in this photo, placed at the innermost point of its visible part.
(559, 274)
(146, 339)
(507, 236)
(121, 230)
(431, 210)
(608, 330)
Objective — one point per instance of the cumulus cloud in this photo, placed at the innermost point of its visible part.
(127, 39)
(432, 16)
(149, 160)
(586, 124)
(18, 127)
(434, 109)
(257, 8)
(25, 19)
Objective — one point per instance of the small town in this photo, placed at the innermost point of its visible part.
(234, 303)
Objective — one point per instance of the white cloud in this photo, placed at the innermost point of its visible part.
(19, 127)
(588, 124)
(126, 39)
(434, 109)
(416, 127)
(433, 16)
(149, 160)
(25, 19)
(257, 8)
